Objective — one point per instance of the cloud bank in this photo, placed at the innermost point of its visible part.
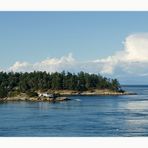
(133, 59)
(129, 61)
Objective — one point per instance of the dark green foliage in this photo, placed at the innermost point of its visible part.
(3, 92)
(32, 94)
(115, 85)
(33, 81)
(121, 91)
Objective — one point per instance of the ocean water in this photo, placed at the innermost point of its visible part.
(83, 116)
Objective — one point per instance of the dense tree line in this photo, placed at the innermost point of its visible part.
(33, 81)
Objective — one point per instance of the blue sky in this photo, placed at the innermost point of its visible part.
(33, 37)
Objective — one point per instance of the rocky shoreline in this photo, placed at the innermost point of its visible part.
(64, 96)
(35, 99)
(96, 92)
(100, 94)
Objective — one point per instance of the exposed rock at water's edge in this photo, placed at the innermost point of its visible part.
(64, 95)
(35, 99)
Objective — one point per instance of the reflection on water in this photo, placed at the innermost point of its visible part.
(136, 105)
(43, 106)
(82, 116)
(137, 122)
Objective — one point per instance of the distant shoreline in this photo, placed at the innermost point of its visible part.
(102, 94)
(64, 94)
(135, 85)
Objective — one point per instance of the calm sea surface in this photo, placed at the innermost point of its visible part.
(82, 116)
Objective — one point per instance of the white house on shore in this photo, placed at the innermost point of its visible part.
(46, 95)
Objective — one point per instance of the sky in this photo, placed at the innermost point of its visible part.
(114, 44)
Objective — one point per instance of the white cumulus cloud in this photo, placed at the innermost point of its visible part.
(136, 47)
(49, 65)
(20, 66)
(133, 58)
(55, 64)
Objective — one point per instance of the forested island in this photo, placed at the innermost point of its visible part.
(30, 84)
